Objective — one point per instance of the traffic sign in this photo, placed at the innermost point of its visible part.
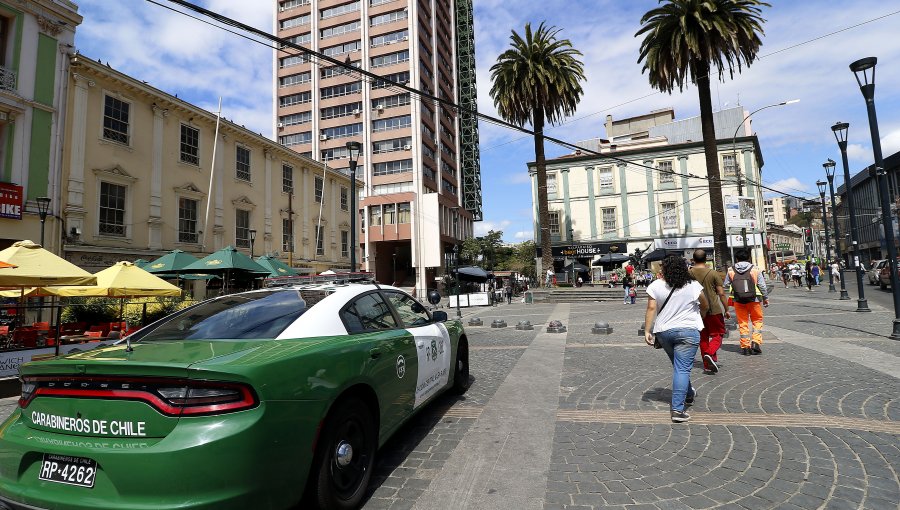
(782, 246)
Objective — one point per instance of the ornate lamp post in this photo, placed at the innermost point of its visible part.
(840, 135)
(43, 205)
(354, 148)
(821, 185)
(829, 173)
(864, 70)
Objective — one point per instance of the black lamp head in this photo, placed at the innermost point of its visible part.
(354, 147)
(840, 133)
(252, 235)
(864, 70)
(43, 205)
(821, 185)
(829, 168)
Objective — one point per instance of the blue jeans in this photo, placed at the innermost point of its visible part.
(681, 347)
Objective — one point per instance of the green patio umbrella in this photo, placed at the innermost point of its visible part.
(172, 262)
(140, 263)
(227, 262)
(275, 266)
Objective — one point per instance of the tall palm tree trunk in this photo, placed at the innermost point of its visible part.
(717, 209)
(543, 208)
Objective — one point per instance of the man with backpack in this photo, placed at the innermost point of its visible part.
(714, 320)
(750, 294)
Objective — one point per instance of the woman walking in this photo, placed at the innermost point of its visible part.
(679, 319)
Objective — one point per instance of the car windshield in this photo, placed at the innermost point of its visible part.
(251, 315)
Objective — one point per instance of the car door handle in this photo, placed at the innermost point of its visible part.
(375, 353)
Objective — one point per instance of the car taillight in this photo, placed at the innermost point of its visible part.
(172, 397)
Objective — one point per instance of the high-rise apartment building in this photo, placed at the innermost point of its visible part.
(419, 158)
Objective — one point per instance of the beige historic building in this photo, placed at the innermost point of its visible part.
(419, 159)
(36, 39)
(136, 181)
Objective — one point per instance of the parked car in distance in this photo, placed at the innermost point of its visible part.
(874, 274)
(884, 276)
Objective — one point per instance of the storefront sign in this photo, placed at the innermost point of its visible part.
(585, 250)
(683, 243)
(96, 260)
(10, 201)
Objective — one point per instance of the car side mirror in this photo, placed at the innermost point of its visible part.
(439, 316)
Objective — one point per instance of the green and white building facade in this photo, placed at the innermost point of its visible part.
(36, 38)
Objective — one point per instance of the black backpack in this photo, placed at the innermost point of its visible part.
(743, 287)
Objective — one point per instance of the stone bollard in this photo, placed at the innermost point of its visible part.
(498, 323)
(556, 327)
(524, 326)
(601, 328)
(475, 321)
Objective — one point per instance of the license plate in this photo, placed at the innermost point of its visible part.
(69, 470)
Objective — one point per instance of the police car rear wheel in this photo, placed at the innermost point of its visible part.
(345, 455)
(461, 380)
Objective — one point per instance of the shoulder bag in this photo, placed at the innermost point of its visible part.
(656, 344)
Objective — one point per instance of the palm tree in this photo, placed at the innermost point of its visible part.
(537, 80)
(684, 40)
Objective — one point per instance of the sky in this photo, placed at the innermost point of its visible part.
(807, 47)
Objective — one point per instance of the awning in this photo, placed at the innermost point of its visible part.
(473, 274)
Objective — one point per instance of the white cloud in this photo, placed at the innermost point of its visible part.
(791, 184)
(856, 152)
(524, 235)
(891, 143)
(483, 227)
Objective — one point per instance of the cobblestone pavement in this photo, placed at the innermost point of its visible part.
(812, 423)
(793, 428)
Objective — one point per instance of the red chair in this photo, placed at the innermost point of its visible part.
(26, 337)
(4, 330)
(93, 334)
(41, 326)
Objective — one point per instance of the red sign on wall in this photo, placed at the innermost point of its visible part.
(10, 201)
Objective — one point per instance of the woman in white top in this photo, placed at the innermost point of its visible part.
(679, 319)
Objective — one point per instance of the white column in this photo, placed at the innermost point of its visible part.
(308, 196)
(219, 233)
(75, 187)
(154, 222)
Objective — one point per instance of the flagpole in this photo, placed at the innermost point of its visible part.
(212, 173)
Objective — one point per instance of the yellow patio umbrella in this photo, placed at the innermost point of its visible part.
(121, 280)
(37, 267)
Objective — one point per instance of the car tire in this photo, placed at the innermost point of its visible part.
(340, 483)
(461, 379)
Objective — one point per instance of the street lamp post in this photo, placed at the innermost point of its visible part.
(456, 263)
(737, 167)
(829, 173)
(354, 148)
(252, 240)
(821, 185)
(43, 205)
(864, 70)
(840, 134)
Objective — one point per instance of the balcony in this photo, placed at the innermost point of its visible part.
(7, 79)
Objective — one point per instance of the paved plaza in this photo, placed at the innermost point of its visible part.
(577, 420)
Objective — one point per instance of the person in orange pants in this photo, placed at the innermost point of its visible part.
(750, 295)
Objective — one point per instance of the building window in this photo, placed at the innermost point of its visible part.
(729, 165)
(391, 101)
(287, 178)
(296, 139)
(297, 40)
(389, 17)
(242, 163)
(403, 212)
(293, 99)
(190, 145)
(344, 89)
(332, 71)
(339, 9)
(320, 240)
(112, 209)
(341, 49)
(345, 244)
(287, 241)
(242, 228)
(403, 121)
(187, 220)
(335, 31)
(392, 167)
(609, 220)
(296, 21)
(390, 59)
(334, 153)
(115, 120)
(295, 79)
(669, 215)
(394, 144)
(320, 185)
(294, 119)
(389, 38)
(554, 222)
(345, 199)
(665, 172)
(389, 211)
(606, 179)
(551, 186)
(375, 215)
(342, 131)
(342, 110)
(390, 79)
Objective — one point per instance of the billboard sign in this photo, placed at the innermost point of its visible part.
(10, 201)
(740, 212)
